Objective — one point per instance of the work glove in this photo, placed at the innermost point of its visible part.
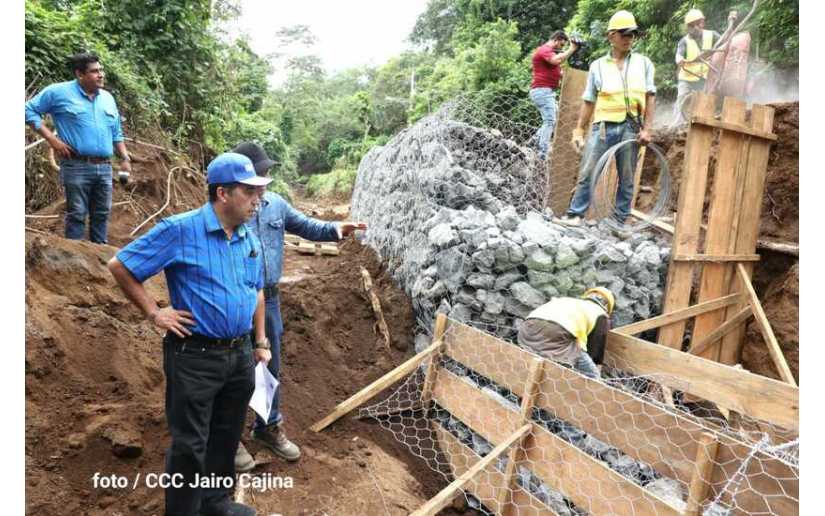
(578, 139)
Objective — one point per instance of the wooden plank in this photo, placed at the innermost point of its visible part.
(766, 485)
(725, 328)
(637, 175)
(563, 161)
(733, 127)
(720, 216)
(779, 247)
(764, 245)
(717, 258)
(587, 482)
(767, 332)
(429, 377)
(502, 362)
(701, 481)
(664, 226)
(749, 213)
(376, 307)
(664, 440)
(678, 315)
(517, 452)
(690, 207)
(445, 497)
(753, 395)
(487, 485)
(372, 390)
(474, 408)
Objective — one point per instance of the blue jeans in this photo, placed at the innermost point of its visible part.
(274, 330)
(600, 140)
(88, 189)
(545, 100)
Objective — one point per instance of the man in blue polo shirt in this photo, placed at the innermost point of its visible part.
(214, 271)
(88, 123)
(269, 224)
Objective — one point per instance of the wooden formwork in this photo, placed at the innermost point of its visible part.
(563, 159)
(726, 253)
(679, 447)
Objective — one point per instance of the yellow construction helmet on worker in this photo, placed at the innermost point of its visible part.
(602, 296)
(693, 15)
(622, 21)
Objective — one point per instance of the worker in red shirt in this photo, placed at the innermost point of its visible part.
(547, 62)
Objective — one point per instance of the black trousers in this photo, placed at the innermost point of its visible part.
(207, 392)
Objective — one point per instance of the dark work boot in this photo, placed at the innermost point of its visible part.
(274, 438)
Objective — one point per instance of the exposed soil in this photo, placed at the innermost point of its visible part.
(133, 203)
(95, 386)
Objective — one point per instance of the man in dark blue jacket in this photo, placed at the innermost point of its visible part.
(274, 217)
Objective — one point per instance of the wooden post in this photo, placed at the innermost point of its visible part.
(563, 161)
(637, 177)
(753, 190)
(686, 234)
(371, 390)
(432, 366)
(445, 497)
(517, 451)
(722, 211)
(376, 307)
(723, 329)
(702, 477)
(767, 332)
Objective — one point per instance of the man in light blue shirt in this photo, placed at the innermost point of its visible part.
(88, 122)
(270, 222)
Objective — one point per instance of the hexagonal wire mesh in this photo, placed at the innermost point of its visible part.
(455, 206)
(606, 446)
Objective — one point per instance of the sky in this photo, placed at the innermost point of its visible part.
(349, 32)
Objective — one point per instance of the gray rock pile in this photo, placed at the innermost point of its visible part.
(454, 210)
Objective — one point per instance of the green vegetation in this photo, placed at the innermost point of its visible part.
(173, 69)
(338, 182)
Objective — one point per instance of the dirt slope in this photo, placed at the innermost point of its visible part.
(94, 380)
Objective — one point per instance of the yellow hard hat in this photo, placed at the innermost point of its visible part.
(603, 293)
(622, 20)
(693, 15)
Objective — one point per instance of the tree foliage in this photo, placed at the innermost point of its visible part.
(171, 65)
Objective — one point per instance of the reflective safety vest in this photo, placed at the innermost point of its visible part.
(695, 71)
(621, 91)
(578, 316)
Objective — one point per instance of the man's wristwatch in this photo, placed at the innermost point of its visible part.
(263, 344)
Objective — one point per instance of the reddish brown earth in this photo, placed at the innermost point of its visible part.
(94, 379)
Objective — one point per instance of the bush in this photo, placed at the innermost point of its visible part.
(339, 182)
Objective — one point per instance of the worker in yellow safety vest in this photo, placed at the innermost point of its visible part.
(571, 331)
(693, 71)
(619, 96)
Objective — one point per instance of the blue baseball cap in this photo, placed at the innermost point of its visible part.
(231, 167)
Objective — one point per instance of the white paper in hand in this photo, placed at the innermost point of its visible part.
(265, 386)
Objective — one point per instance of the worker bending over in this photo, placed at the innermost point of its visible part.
(620, 98)
(571, 331)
